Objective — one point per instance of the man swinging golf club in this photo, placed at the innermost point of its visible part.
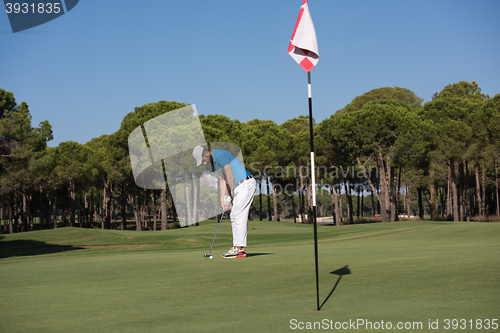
(236, 179)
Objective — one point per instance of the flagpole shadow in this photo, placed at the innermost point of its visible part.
(340, 272)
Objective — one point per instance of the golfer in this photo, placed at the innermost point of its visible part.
(236, 179)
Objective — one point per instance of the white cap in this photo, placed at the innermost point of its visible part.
(198, 154)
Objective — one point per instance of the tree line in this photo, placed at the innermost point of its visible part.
(385, 143)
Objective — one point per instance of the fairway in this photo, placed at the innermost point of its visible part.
(399, 272)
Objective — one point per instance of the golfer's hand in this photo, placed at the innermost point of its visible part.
(224, 205)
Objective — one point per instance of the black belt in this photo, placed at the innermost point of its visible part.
(241, 181)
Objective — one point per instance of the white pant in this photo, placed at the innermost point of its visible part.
(242, 200)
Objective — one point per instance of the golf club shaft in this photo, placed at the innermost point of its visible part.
(216, 233)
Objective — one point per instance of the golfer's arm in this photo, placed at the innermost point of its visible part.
(223, 188)
(229, 177)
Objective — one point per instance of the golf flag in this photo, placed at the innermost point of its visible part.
(303, 49)
(303, 46)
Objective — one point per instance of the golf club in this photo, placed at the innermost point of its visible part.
(210, 255)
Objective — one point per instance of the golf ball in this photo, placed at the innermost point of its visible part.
(211, 257)
(227, 199)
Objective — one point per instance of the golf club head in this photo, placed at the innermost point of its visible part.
(211, 246)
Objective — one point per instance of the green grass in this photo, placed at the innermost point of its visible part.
(399, 272)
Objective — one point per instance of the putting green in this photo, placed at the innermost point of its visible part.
(402, 273)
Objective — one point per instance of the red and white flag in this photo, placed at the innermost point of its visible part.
(303, 46)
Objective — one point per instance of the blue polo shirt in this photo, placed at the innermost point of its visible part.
(222, 158)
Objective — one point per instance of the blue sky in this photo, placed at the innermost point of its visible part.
(84, 71)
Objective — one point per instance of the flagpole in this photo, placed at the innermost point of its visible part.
(313, 186)
(303, 48)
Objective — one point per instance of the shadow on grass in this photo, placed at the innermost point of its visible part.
(340, 272)
(20, 248)
(258, 254)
